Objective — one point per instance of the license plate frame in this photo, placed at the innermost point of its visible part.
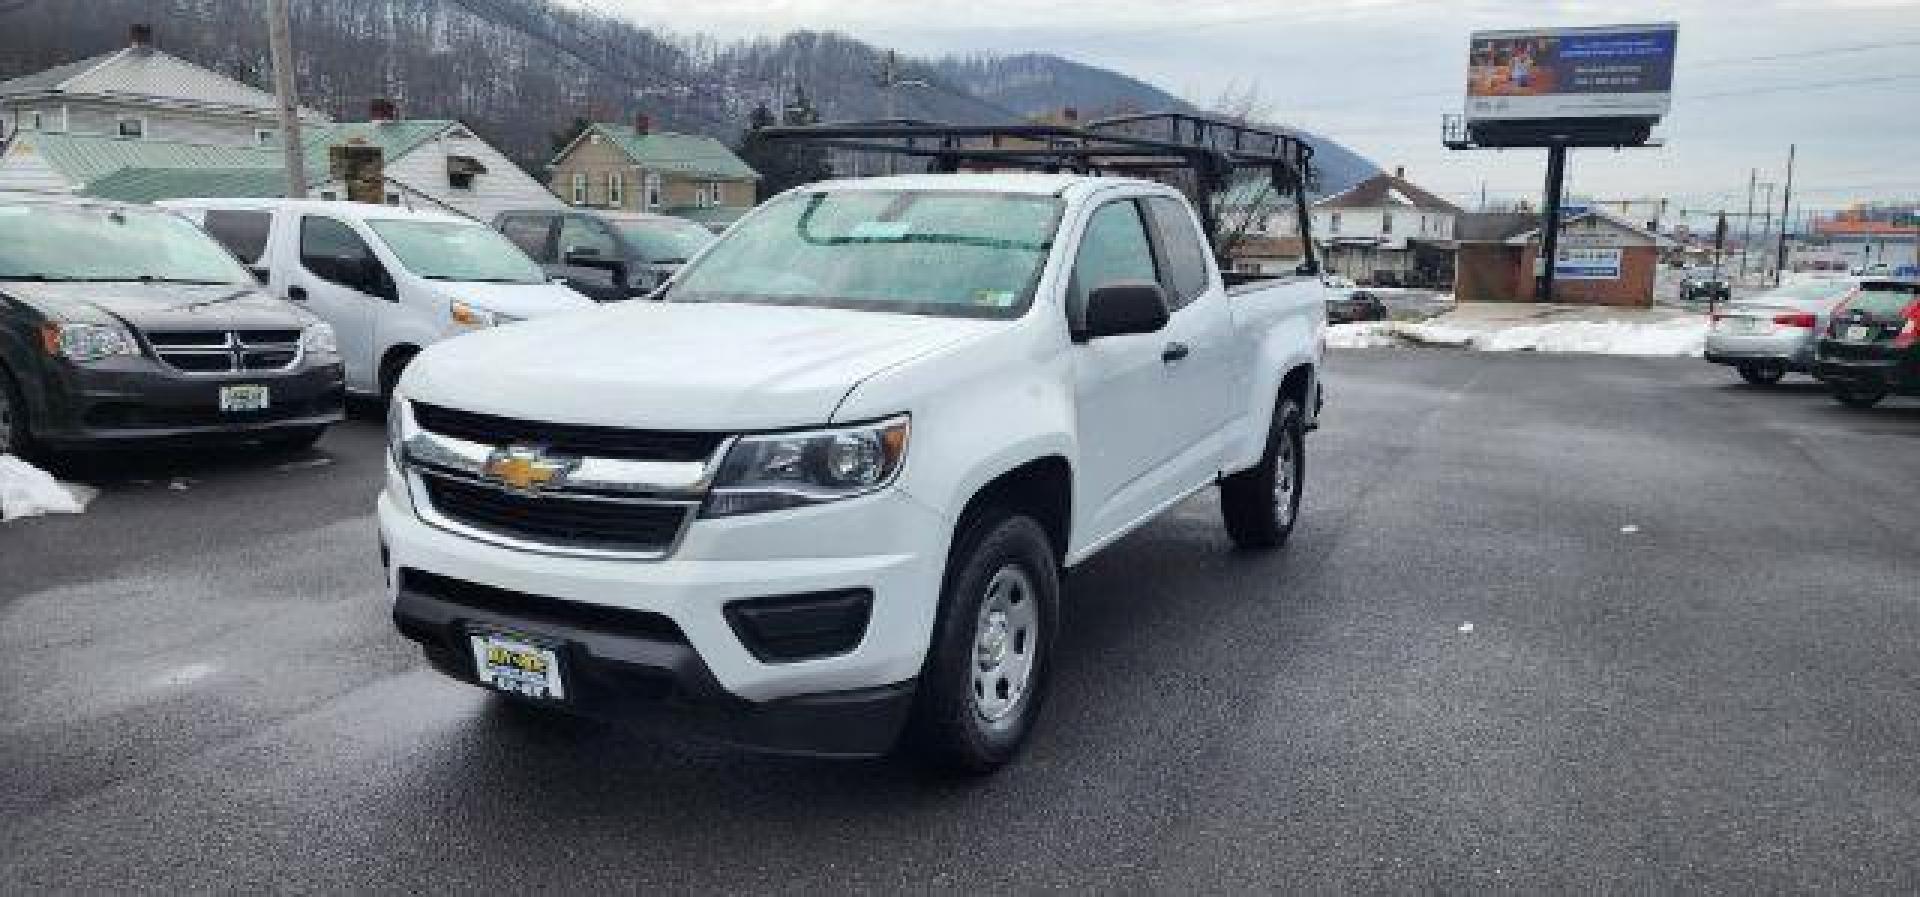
(1859, 333)
(518, 664)
(241, 398)
(1747, 326)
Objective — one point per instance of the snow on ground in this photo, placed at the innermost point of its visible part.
(1677, 337)
(26, 490)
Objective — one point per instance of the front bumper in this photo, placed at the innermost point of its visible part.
(660, 647)
(135, 401)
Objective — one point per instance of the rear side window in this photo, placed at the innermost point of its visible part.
(1180, 250)
(529, 232)
(244, 233)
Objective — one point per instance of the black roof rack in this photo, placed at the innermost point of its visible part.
(1214, 150)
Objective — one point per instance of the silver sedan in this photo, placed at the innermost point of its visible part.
(1766, 336)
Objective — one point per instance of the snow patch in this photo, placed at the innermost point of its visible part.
(27, 491)
(1675, 337)
(1361, 335)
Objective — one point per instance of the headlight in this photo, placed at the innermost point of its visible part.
(320, 340)
(397, 431)
(475, 317)
(87, 342)
(791, 470)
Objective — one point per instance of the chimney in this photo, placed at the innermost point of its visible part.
(643, 124)
(140, 35)
(1070, 114)
(1400, 172)
(382, 109)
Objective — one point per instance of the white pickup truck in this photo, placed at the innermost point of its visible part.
(820, 498)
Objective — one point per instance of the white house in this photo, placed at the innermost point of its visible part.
(140, 92)
(1383, 229)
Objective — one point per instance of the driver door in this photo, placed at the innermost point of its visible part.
(324, 244)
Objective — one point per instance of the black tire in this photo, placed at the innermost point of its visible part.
(295, 440)
(954, 728)
(1855, 397)
(16, 437)
(1256, 512)
(391, 368)
(1762, 374)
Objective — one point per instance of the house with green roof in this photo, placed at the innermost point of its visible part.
(633, 167)
(436, 164)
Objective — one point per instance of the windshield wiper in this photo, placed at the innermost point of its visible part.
(669, 261)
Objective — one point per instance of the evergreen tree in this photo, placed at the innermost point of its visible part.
(783, 164)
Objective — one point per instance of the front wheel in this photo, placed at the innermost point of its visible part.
(1858, 397)
(987, 667)
(1261, 504)
(1762, 374)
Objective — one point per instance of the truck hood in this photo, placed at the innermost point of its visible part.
(520, 300)
(159, 306)
(682, 366)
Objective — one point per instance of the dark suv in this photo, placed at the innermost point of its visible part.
(1872, 345)
(606, 255)
(128, 325)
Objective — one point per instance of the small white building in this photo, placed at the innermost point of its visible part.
(140, 92)
(1383, 229)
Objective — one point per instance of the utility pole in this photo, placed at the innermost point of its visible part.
(280, 36)
(1550, 224)
(1746, 222)
(1786, 202)
(1766, 227)
(890, 84)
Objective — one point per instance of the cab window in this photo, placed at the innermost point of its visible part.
(1181, 251)
(1114, 249)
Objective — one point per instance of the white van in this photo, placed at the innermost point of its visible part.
(389, 280)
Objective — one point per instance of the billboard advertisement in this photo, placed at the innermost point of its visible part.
(1620, 71)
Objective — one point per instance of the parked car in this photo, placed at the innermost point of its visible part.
(1871, 347)
(125, 325)
(1355, 305)
(822, 494)
(608, 256)
(1772, 334)
(1705, 288)
(391, 281)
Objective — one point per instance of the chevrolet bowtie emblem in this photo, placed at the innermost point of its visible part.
(526, 468)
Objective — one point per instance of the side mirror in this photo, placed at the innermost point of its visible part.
(583, 256)
(1118, 309)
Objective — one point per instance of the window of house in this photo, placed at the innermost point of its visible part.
(700, 195)
(265, 136)
(1386, 222)
(651, 186)
(36, 120)
(1334, 225)
(616, 189)
(1423, 225)
(580, 188)
(131, 127)
(716, 193)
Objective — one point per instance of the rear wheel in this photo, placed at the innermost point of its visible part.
(1858, 397)
(987, 667)
(1260, 505)
(15, 438)
(1762, 374)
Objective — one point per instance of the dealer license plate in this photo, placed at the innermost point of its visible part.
(244, 398)
(1859, 333)
(517, 665)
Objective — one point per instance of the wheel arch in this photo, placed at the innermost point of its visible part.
(1041, 488)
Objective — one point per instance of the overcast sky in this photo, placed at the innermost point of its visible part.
(1840, 77)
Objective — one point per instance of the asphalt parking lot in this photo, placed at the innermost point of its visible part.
(1575, 623)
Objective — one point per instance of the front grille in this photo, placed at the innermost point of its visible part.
(226, 351)
(558, 519)
(569, 439)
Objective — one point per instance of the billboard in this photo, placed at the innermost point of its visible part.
(1617, 71)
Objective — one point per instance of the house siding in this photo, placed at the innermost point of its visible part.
(23, 168)
(161, 124)
(503, 188)
(599, 159)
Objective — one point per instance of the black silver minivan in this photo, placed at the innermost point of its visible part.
(125, 325)
(606, 255)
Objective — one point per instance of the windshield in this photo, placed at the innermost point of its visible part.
(664, 241)
(452, 250)
(56, 242)
(953, 253)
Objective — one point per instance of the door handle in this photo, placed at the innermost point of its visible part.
(297, 294)
(1174, 352)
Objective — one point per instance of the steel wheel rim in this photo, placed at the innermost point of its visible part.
(1285, 479)
(1006, 644)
